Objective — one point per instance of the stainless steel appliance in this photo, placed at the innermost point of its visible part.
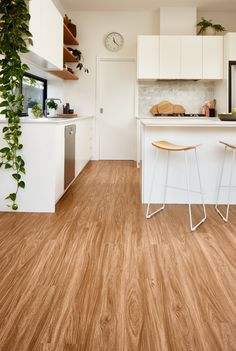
(69, 170)
(232, 85)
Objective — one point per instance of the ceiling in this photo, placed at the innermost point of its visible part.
(148, 5)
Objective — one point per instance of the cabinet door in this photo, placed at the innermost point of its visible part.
(212, 57)
(52, 33)
(170, 56)
(83, 149)
(231, 43)
(148, 57)
(191, 57)
(46, 26)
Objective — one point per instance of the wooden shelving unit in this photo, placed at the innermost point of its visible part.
(69, 38)
(68, 56)
(65, 74)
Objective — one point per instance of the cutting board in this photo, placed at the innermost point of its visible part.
(68, 115)
(165, 108)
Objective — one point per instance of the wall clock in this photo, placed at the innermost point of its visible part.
(114, 41)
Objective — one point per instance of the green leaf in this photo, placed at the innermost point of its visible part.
(22, 184)
(4, 150)
(11, 196)
(16, 176)
(8, 166)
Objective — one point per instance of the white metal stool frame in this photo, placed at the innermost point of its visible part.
(225, 216)
(166, 186)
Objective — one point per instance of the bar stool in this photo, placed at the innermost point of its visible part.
(233, 148)
(169, 147)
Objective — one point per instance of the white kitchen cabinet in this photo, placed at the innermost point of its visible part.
(148, 57)
(191, 57)
(231, 44)
(212, 57)
(46, 26)
(83, 149)
(44, 155)
(170, 56)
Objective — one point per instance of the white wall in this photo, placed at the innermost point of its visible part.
(92, 28)
(226, 19)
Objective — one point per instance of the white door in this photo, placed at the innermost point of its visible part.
(117, 125)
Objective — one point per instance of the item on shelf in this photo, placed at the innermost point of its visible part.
(66, 108)
(71, 111)
(72, 28)
(79, 58)
(66, 20)
(167, 108)
(209, 108)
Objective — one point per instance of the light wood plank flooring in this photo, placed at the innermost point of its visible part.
(98, 276)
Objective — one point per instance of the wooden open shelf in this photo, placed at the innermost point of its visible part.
(69, 38)
(68, 56)
(66, 75)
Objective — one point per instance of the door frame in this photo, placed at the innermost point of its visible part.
(98, 97)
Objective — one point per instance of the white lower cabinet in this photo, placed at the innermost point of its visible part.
(83, 148)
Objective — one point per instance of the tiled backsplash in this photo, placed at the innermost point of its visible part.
(192, 95)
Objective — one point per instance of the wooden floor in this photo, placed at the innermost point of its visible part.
(98, 276)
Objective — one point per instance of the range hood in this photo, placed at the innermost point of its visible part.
(178, 20)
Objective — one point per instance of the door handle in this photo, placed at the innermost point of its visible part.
(101, 110)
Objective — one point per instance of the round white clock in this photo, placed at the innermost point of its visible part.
(114, 41)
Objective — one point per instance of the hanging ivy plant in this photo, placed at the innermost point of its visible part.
(14, 40)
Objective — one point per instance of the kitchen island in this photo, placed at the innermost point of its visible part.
(185, 131)
(44, 155)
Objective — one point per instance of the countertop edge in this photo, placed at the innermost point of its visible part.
(26, 120)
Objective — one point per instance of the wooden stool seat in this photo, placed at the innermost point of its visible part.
(232, 146)
(165, 145)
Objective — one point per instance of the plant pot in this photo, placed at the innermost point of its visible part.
(210, 31)
(30, 113)
(52, 112)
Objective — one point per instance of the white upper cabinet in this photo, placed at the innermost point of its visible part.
(170, 56)
(212, 57)
(148, 57)
(231, 45)
(191, 57)
(183, 57)
(46, 26)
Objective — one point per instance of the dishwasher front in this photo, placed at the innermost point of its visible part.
(69, 170)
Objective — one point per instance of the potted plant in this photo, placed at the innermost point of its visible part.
(52, 106)
(31, 104)
(37, 110)
(79, 58)
(206, 27)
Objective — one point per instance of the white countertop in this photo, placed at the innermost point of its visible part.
(43, 120)
(185, 122)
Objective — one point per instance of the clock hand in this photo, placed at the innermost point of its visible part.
(115, 41)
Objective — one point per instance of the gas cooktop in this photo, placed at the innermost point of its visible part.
(182, 115)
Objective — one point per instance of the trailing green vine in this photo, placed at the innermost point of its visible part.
(14, 40)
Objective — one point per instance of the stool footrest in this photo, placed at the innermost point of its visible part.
(183, 189)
